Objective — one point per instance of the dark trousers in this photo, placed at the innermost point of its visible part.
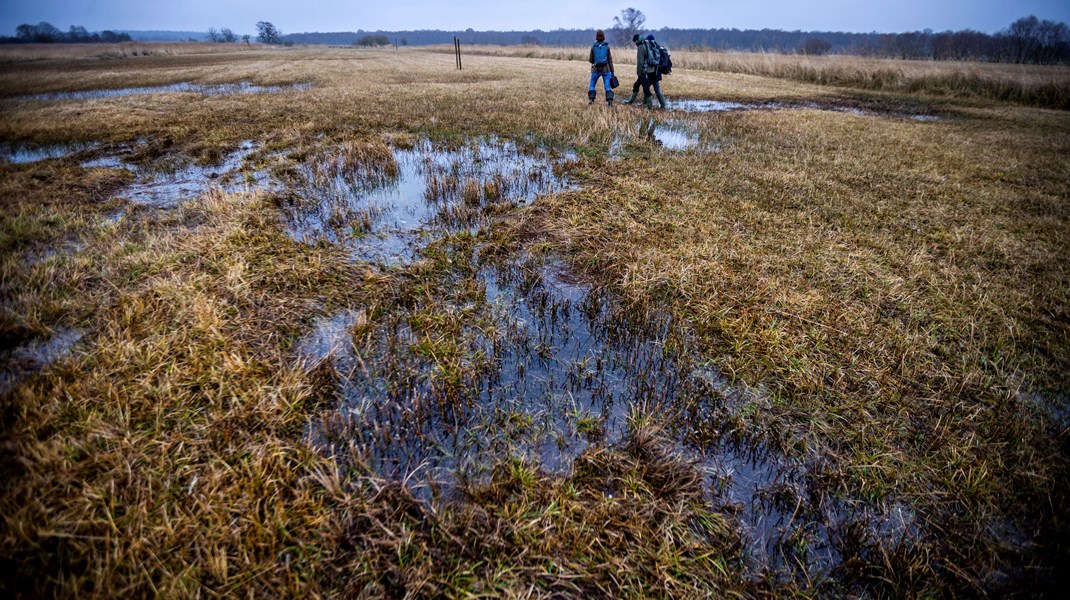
(647, 80)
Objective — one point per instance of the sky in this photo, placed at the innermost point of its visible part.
(297, 16)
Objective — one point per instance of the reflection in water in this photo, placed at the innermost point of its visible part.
(242, 87)
(31, 154)
(385, 216)
(36, 355)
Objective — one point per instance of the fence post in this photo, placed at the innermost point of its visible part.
(457, 50)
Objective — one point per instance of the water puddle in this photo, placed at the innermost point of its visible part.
(518, 359)
(547, 368)
(33, 357)
(387, 215)
(242, 87)
(692, 105)
(167, 189)
(30, 154)
(696, 105)
(1055, 409)
(674, 134)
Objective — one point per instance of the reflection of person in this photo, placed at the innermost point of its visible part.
(639, 79)
(601, 60)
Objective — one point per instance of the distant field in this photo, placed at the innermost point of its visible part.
(1027, 84)
(354, 322)
(29, 52)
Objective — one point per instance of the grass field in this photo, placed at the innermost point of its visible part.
(819, 350)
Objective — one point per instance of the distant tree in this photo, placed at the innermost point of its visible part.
(78, 35)
(1031, 40)
(25, 32)
(404, 41)
(268, 33)
(110, 37)
(530, 40)
(629, 23)
(42, 33)
(1022, 35)
(227, 36)
(245, 38)
(816, 46)
(213, 35)
(1054, 42)
(372, 40)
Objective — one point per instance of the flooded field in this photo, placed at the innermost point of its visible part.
(450, 337)
(533, 364)
(208, 89)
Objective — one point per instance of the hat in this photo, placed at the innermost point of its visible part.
(600, 35)
(635, 38)
(650, 37)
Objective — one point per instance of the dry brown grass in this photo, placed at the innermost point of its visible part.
(1047, 86)
(15, 53)
(898, 287)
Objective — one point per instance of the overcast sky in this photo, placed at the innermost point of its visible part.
(296, 16)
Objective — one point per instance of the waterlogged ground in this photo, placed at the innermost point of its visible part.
(385, 215)
(501, 358)
(241, 87)
(517, 358)
(505, 358)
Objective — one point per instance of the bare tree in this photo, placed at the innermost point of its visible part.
(227, 36)
(267, 33)
(629, 23)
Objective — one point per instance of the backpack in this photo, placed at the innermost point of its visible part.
(653, 55)
(664, 60)
(601, 53)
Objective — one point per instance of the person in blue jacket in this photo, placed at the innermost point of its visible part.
(601, 60)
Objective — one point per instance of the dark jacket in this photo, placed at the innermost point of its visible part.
(640, 60)
(605, 68)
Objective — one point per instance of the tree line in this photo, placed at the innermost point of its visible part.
(1028, 40)
(46, 33)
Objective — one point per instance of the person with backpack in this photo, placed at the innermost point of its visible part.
(656, 55)
(601, 60)
(646, 68)
(638, 80)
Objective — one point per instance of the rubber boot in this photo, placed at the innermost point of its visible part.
(590, 97)
(609, 97)
(632, 99)
(662, 102)
(648, 102)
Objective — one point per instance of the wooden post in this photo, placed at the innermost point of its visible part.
(457, 50)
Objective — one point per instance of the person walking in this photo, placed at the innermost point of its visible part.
(601, 60)
(655, 77)
(644, 69)
(638, 80)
